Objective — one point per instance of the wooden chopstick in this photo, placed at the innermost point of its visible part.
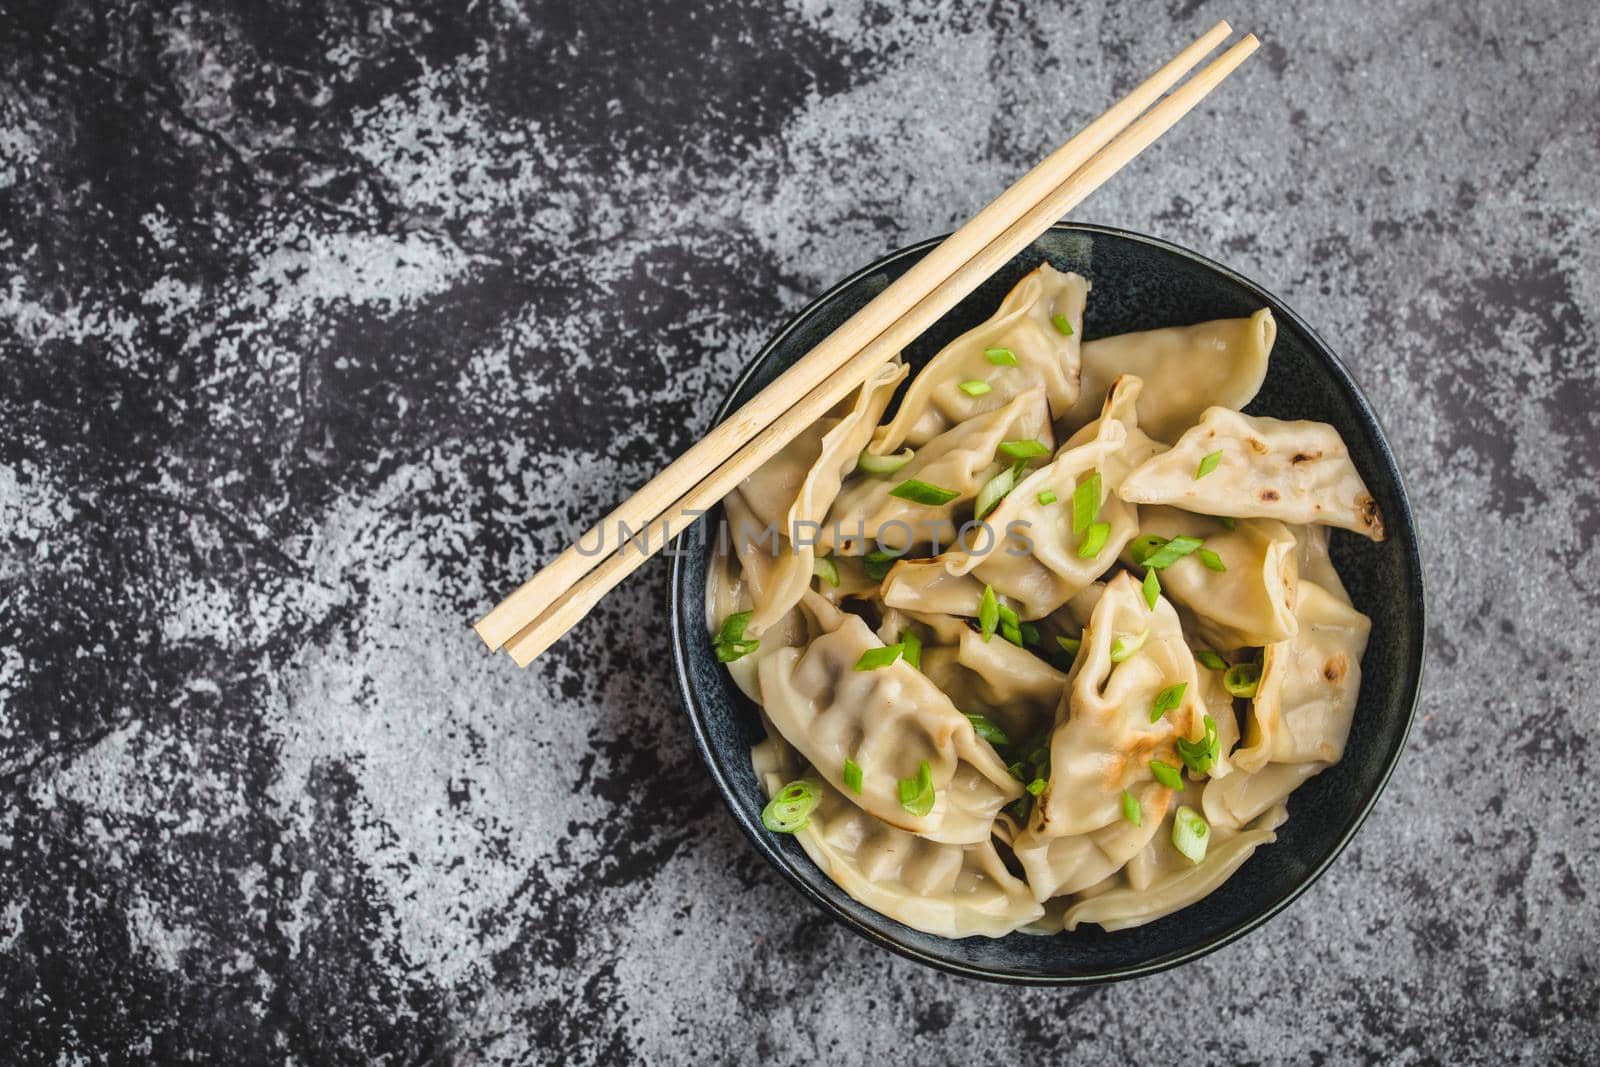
(523, 606)
(578, 600)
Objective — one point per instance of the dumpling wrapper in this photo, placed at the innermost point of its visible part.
(1056, 866)
(1189, 369)
(741, 577)
(1046, 359)
(1231, 802)
(1293, 471)
(942, 889)
(1309, 684)
(887, 720)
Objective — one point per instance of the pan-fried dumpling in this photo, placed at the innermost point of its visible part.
(1023, 331)
(941, 889)
(1309, 683)
(833, 456)
(1249, 604)
(1219, 363)
(1233, 801)
(887, 720)
(1104, 740)
(1296, 472)
(927, 586)
(1035, 563)
(960, 460)
(1056, 866)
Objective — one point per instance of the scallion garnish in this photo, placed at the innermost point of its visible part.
(920, 492)
(974, 387)
(825, 568)
(1211, 661)
(872, 464)
(1151, 586)
(1144, 546)
(1166, 700)
(878, 562)
(1210, 559)
(1036, 787)
(730, 642)
(1166, 774)
(994, 491)
(1001, 357)
(1062, 324)
(1010, 625)
(1031, 448)
(1242, 679)
(1030, 633)
(986, 729)
(1208, 464)
(911, 648)
(1094, 539)
(852, 776)
(1019, 809)
(1086, 502)
(1172, 552)
(1123, 647)
(988, 613)
(877, 658)
(1190, 834)
(1200, 756)
(1047, 497)
(1131, 810)
(790, 809)
(1069, 645)
(916, 794)
(1228, 523)
(1018, 771)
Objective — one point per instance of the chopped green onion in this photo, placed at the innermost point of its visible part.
(912, 646)
(1166, 700)
(1018, 771)
(987, 730)
(790, 809)
(1172, 552)
(878, 562)
(988, 613)
(1166, 774)
(876, 658)
(730, 642)
(1190, 833)
(1001, 357)
(1010, 625)
(1086, 502)
(1208, 464)
(1032, 448)
(1069, 645)
(1211, 560)
(1047, 497)
(1019, 808)
(1030, 633)
(916, 794)
(1242, 679)
(974, 388)
(1062, 324)
(994, 491)
(1144, 546)
(1227, 523)
(1094, 540)
(872, 464)
(825, 568)
(920, 492)
(1123, 647)
(1151, 587)
(1036, 787)
(1131, 810)
(1200, 756)
(1211, 661)
(852, 776)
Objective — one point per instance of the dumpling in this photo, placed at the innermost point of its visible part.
(1307, 694)
(1121, 404)
(1104, 740)
(832, 457)
(960, 460)
(1249, 604)
(742, 577)
(1313, 560)
(887, 720)
(1296, 472)
(1235, 800)
(1219, 363)
(941, 889)
(1219, 705)
(1024, 328)
(1031, 555)
(926, 585)
(1056, 866)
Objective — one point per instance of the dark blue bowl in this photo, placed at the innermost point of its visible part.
(1139, 283)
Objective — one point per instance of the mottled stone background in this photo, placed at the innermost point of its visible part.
(321, 324)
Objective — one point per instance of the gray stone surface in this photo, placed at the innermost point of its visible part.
(321, 327)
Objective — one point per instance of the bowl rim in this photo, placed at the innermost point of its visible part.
(759, 836)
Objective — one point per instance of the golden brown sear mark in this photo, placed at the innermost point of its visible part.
(1269, 494)
(1334, 670)
(1305, 457)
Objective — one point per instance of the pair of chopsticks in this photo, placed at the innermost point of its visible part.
(550, 603)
